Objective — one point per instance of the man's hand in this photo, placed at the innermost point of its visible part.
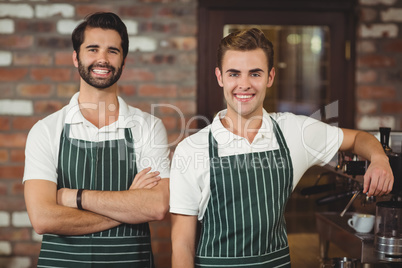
(378, 179)
(145, 179)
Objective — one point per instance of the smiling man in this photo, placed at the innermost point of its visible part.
(96, 171)
(236, 175)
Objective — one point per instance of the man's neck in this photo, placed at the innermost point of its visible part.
(99, 106)
(243, 126)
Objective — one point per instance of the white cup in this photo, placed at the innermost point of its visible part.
(362, 223)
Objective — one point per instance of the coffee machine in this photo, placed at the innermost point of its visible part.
(388, 223)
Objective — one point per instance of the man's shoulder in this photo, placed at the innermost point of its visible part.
(137, 114)
(195, 142)
(53, 120)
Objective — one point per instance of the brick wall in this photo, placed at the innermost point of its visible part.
(379, 65)
(37, 78)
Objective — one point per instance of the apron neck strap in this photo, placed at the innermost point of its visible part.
(213, 144)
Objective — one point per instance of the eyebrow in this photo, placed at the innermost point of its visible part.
(250, 71)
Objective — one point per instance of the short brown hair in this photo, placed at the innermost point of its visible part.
(246, 40)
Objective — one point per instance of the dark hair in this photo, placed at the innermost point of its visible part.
(246, 40)
(103, 20)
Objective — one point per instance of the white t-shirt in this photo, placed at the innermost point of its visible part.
(42, 148)
(310, 143)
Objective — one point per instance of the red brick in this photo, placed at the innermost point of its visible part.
(6, 90)
(143, 105)
(127, 90)
(376, 92)
(17, 155)
(137, 75)
(11, 172)
(17, 188)
(52, 74)
(366, 76)
(151, 58)
(392, 107)
(136, 11)
(32, 59)
(54, 42)
(184, 43)
(64, 58)
(15, 140)
(189, 59)
(163, 27)
(393, 46)
(175, 75)
(47, 107)
(15, 234)
(170, 122)
(3, 156)
(24, 122)
(35, 26)
(16, 42)
(35, 91)
(26, 249)
(168, 91)
(185, 107)
(67, 90)
(12, 74)
(375, 61)
(13, 203)
(84, 10)
(188, 91)
(3, 190)
(5, 123)
(174, 12)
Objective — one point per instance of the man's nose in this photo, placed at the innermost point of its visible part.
(244, 82)
(103, 57)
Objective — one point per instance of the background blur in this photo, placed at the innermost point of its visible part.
(37, 78)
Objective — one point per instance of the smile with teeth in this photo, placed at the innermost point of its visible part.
(98, 71)
(244, 97)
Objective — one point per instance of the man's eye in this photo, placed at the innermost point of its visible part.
(255, 75)
(234, 75)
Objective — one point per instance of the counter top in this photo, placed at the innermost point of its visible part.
(334, 228)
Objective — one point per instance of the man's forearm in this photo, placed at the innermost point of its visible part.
(131, 206)
(378, 179)
(368, 147)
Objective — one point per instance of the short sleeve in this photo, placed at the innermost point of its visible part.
(185, 192)
(155, 152)
(40, 162)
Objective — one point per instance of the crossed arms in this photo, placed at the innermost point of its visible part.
(55, 211)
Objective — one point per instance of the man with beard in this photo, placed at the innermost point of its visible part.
(96, 171)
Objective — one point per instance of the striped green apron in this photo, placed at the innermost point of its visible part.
(244, 224)
(106, 166)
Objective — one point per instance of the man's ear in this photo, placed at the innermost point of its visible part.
(219, 76)
(75, 59)
(271, 77)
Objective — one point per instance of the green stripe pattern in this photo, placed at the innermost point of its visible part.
(244, 219)
(106, 166)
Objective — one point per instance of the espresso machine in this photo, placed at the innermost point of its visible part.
(388, 223)
(383, 245)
